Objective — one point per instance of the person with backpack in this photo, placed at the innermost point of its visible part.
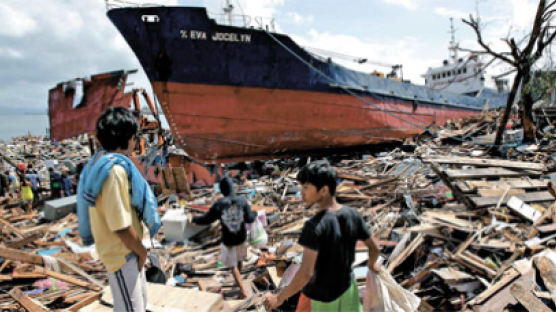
(55, 183)
(233, 211)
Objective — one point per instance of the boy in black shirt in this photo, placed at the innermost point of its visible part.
(328, 240)
(233, 212)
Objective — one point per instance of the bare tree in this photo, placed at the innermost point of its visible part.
(521, 57)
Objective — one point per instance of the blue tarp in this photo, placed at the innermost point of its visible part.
(391, 88)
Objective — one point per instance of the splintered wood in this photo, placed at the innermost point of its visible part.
(462, 230)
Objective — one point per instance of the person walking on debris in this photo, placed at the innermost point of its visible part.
(25, 187)
(4, 184)
(11, 183)
(113, 199)
(33, 177)
(66, 183)
(233, 211)
(328, 239)
(55, 183)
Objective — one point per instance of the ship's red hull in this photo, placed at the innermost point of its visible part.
(227, 123)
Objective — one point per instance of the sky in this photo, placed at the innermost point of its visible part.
(43, 42)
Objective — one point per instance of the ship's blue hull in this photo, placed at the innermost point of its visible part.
(183, 51)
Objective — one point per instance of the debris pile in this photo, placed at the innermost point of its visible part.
(459, 228)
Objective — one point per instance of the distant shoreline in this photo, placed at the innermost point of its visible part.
(24, 114)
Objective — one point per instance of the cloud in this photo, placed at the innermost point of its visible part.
(300, 19)
(380, 54)
(408, 4)
(61, 40)
(14, 22)
(444, 12)
(523, 13)
(10, 53)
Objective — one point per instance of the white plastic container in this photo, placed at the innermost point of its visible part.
(174, 222)
(177, 228)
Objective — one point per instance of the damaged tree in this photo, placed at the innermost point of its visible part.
(522, 60)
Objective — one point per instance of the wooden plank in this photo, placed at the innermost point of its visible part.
(499, 192)
(408, 251)
(169, 298)
(424, 272)
(527, 299)
(524, 183)
(475, 184)
(463, 186)
(182, 184)
(5, 264)
(463, 246)
(169, 178)
(483, 173)
(5, 278)
(487, 162)
(378, 183)
(19, 274)
(547, 270)
(446, 218)
(79, 271)
(20, 243)
(502, 297)
(455, 190)
(21, 256)
(11, 227)
(346, 175)
(98, 307)
(25, 301)
(63, 277)
(274, 276)
(73, 298)
(480, 202)
(85, 301)
(545, 229)
(402, 244)
(476, 263)
(449, 275)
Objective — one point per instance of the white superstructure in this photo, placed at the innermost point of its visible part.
(457, 75)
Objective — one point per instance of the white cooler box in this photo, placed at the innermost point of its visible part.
(177, 227)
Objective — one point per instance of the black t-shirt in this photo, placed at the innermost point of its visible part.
(233, 212)
(333, 234)
(4, 182)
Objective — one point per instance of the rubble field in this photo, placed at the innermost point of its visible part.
(459, 228)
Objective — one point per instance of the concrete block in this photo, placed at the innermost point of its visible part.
(59, 208)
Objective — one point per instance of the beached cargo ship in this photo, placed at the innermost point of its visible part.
(236, 93)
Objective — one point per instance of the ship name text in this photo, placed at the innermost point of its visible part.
(217, 36)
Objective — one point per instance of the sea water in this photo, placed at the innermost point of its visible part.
(13, 125)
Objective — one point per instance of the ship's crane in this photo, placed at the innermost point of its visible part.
(393, 74)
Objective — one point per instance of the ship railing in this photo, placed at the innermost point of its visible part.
(246, 21)
(115, 4)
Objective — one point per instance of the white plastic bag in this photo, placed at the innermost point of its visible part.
(372, 302)
(383, 294)
(257, 234)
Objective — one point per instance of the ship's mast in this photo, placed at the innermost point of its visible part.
(453, 44)
(228, 10)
